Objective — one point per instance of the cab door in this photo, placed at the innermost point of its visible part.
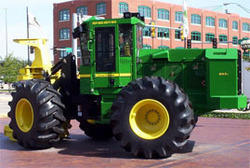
(105, 57)
(105, 49)
(113, 56)
(126, 53)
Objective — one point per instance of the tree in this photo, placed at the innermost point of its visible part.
(9, 68)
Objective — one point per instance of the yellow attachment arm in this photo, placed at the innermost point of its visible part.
(9, 133)
(42, 58)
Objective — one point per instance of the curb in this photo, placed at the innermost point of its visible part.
(235, 111)
(5, 93)
(232, 112)
(3, 115)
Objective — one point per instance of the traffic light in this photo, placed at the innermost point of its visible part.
(214, 42)
(153, 29)
(189, 43)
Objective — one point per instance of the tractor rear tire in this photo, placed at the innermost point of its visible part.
(36, 114)
(152, 118)
(96, 131)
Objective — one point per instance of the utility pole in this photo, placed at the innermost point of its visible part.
(6, 31)
(74, 41)
(28, 33)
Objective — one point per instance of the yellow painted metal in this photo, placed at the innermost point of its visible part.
(42, 58)
(24, 115)
(91, 121)
(9, 133)
(106, 75)
(84, 75)
(113, 75)
(149, 119)
(42, 62)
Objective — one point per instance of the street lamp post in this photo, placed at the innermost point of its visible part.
(6, 31)
(28, 33)
(239, 5)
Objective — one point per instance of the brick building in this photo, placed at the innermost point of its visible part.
(203, 25)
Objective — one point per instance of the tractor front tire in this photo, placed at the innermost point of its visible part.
(152, 118)
(96, 131)
(36, 114)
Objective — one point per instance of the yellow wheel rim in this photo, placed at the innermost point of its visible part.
(24, 115)
(149, 119)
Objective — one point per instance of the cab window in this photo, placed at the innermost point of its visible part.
(125, 40)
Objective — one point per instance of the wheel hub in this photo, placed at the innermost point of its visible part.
(149, 119)
(24, 115)
(152, 117)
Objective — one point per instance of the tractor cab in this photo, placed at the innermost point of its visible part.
(109, 48)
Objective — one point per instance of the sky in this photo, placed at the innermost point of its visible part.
(43, 11)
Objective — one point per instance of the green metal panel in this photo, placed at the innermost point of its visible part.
(222, 72)
(227, 102)
(222, 77)
(229, 53)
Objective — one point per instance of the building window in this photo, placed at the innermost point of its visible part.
(64, 34)
(196, 36)
(146, 46)
(223, 23)
(63, 52)
(101, 8)
(163, 32)
(163, 47)
(195, 19)
(123, 7)
(145, 11)
(235, 25)
(64, 15)
(82, 10)
(179, 16)
(209, 37)
(163, 14)
(147, 31)
(222, 38)
(210, 21)
(246, 27)
(177, 34)
(235, 40)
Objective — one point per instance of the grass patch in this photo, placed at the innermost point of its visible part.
(246, 58)
(227, 115)
(7, 90)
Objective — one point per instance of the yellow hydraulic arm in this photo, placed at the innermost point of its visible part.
(41, 63)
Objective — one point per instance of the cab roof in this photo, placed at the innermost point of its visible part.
(98, 21)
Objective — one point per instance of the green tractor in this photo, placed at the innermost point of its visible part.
(146, 98)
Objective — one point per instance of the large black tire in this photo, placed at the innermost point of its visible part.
(37, 97)
(181, 117)
(96, 131)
